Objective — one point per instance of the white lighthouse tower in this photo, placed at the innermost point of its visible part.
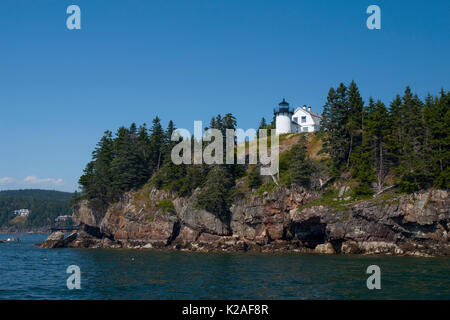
(283, 117)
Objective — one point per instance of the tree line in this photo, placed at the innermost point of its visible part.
(44, 206)
(135, 156)
(408, 141)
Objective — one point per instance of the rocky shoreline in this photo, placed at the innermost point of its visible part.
(281, 221)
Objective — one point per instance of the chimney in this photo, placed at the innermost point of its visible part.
(309, 108)
(304, 107)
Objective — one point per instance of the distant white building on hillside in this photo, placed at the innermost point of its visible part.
(290, 120)
(22, 212)
(63, 218)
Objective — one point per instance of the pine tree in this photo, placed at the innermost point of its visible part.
(334, 128)
(396, 135)
(262, 124)
(157, 141)
(377, 129)
(413, 170)
(217, 194)
(128, 169)
(96, 181)
(355, 117)
(254, 180)
(300, 167)
(437, 119)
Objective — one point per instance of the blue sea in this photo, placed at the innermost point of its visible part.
(29, 272)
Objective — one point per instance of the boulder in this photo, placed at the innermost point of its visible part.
(56, 236)
(325, 248)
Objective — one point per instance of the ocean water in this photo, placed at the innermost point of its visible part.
(29, 272)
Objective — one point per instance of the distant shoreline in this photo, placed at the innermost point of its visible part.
(25, 231)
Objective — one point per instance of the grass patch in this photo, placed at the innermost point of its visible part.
(166, 206)
(266, 187)
(328, 199)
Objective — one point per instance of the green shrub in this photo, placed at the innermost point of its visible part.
(362, 190)
(166, 206)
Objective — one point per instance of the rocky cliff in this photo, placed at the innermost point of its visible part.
(415, 224)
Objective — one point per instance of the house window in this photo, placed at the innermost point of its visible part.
(303, 119)
(305, 129)
(295, 119)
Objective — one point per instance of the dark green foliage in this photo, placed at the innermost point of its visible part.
(218, 192)
(409, 140)
(362, 190)
(408, 143)
(136, 155)
(128, 170)
(254, 180)
(370, 161)
(355, 119)
(300, 166)
(334, 127)
(262, 124)
(295, 166)
(437, 119)
(124, 162)
(166, 206)
(44, 205)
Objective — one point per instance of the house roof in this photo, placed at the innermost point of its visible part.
(315, 116)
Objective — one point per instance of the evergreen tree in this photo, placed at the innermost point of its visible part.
(300, 167)
(413, 170)
(396, 135)
(254, 180)
(355, 117)
(377, 129)
(334, 128)
(437, 118)
(217, 194)
(157, 141)
(96, 181)
(262, 124)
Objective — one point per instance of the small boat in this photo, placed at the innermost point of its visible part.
(9, 240)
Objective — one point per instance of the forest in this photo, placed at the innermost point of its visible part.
(404, 145)
(44, 206)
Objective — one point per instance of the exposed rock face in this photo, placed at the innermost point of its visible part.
(416, 224)
(86, 215)
(57, 240)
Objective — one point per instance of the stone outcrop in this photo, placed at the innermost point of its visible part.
(415, 224)
(57, 240)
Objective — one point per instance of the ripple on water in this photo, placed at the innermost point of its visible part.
(29, 272)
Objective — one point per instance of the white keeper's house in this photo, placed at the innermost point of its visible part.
(290, 120)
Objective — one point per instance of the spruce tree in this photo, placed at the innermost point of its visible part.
(437, 119)
(262, 124)
(334, 128)
(300, 167)
(217, 194)
(377, 129)
(254, 180)
(157, 141)
(355, 117)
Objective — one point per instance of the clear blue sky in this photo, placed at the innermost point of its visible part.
(190, 60)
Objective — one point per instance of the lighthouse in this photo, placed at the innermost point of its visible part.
(283, 117)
